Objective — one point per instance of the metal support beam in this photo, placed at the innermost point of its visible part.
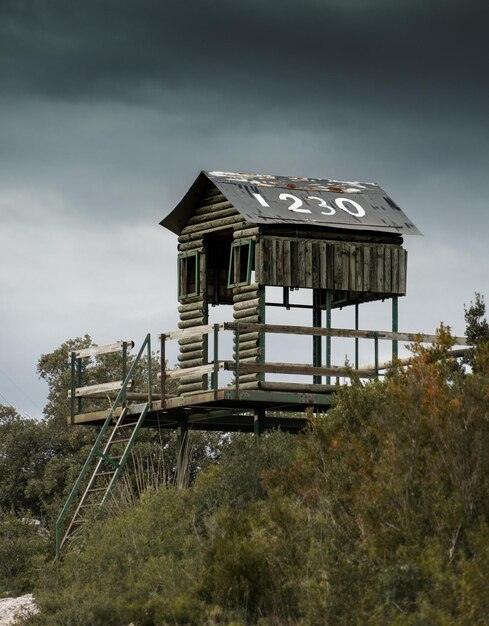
(259, 423)
(329, 302)
(395, 325)
(357, 318)
(261, 312)
(316, 341)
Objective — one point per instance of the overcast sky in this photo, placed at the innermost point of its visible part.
(110, 108)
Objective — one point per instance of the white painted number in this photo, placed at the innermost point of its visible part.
(340, 203)
(323, 205)
(296, 203)
(345, 204)
(261, 199)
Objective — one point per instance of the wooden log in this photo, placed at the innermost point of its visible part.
(247, 317)
(187, 379)
(183, 357)
(244, 354)
(245, 297)
(191, 347)
(219, 223)
(245, 345)
(184, 364)
(338, 332)
(194, 314)
(240, 289)
(105, 349)
(250, 385)
(299, 369)
(195, 373)
(298, 387)
(247, 304)
(189, 341)
(247, 233)
(212, 215)
(191, 306)
(196, 245)
(186, 333)
(248, 359)
(103, 388)
(247, 337)
(196, 322)
(198, 235)
(215, 206)
(184, 390)
(246, 378)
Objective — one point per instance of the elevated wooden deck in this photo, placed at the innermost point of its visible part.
(237, 407)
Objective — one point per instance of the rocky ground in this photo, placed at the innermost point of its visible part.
(10, 607)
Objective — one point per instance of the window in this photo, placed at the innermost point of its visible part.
(188, 275)
(241, 262)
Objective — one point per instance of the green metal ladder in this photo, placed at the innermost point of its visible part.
(106, 458)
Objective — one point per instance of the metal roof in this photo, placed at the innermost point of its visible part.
(266, 199)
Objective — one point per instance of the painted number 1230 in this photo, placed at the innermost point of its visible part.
(296, 204)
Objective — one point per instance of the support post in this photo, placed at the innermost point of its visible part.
(79, 381)
(163, 370)
(316, 341)
(72, 387)
(329, 301)
(124, 368)
(182, 451)
(357, 318)
(236, 373)
(395, 326)
(259, 423)
(150, 371)
(376, 353)
(215, 373)
(261, 312)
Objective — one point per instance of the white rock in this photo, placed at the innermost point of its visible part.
(11, 607)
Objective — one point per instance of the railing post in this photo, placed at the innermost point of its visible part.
(163, 370)
(329, 300)
(215, 373)
(124, 366)
(79, 381)
(395, 325)
(150, 370)
(72, 386)
(357, 319)
(376, 353)
(316, 341)
(236, 374)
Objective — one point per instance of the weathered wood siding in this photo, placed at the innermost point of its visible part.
(338, 266)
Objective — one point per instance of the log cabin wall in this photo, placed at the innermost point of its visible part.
(249, 307)
(349, 268)
(214, 213)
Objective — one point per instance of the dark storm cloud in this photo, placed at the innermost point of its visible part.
(404, 55)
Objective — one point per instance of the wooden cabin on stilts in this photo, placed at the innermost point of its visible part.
(239, 234)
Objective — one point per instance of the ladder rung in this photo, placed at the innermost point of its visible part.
(96, 489)
(119, 441)
(126, 424)
(105, 473)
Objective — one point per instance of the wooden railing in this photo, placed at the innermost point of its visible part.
(302, 369)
